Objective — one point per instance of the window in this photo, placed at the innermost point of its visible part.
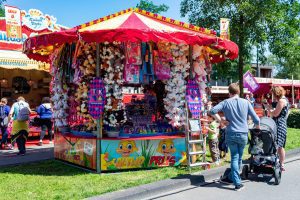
(20, 85)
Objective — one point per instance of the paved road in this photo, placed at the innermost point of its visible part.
(258, 188)
(33, 154)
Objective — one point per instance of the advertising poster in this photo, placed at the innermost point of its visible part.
(224, 28)
(250, 82)
(79, 151)
(13, 22)
(134, 153)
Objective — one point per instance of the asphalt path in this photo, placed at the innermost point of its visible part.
(258, 187)
(33, 154)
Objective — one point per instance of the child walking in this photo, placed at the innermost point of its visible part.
(213, 142)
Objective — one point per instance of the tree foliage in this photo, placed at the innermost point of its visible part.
(151, 7)
(290, 65)
(252, 23)
(2, 11)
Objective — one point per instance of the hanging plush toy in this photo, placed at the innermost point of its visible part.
(176, 85)
(112, 63)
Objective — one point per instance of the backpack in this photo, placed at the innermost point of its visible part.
(2, 113)
(23, 114)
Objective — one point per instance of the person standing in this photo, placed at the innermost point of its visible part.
(45, 113)
(236, 111)
(213, 142)
(4, 112)
(252, 100)
(280, 115)
(19, 113)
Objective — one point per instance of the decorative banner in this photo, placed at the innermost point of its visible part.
(96, 98)
(250, 82)
(13, 23)
(137, 153)
(224, 28)
(36, 20)
(193, 98)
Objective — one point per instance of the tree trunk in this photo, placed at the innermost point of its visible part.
(241, 54)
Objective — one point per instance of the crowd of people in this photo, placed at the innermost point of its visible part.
(14, 121)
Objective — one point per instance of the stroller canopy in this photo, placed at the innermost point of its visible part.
(268, 124)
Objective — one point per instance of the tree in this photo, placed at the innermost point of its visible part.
(151, 7)
(290, 65)
(2, 11)
(252, 23)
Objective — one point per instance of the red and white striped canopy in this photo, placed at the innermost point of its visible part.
(134, 25)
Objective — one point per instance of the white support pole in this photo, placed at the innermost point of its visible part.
(293, 91)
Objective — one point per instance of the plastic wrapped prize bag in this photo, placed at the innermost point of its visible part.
(162, 70)
(133, 53)
(132, 73)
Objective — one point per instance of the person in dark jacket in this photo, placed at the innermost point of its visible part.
(4, 112)
(45, 113)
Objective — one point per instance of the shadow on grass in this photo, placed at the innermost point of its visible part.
(43, 168)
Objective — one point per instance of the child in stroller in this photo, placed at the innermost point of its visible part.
(264, 157)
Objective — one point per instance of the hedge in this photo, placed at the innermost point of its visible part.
(293, 120)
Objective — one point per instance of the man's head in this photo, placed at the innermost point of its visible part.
(20, 98)
(234, 89)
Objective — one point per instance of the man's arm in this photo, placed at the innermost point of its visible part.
(253, 115)
(214, 111)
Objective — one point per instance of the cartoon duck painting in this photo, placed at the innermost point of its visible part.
(126, 147)
(105, 163)
(166, 147)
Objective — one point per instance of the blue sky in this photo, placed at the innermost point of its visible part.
(74, 12)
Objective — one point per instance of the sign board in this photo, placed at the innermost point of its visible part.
(224, 28)
(142, 153)
(13, 22)
(250, 82)
(195, 125)
(36, 20)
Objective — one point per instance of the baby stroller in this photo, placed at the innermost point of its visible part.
(264, 157)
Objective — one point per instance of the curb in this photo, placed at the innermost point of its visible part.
(163, 186)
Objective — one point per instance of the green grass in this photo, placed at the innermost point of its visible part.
(55, 180)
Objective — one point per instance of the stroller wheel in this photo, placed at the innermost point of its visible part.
(245, 172)
(277, 175)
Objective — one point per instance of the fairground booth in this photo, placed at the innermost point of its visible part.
(292, 88)
(19, 75)
(123, 87)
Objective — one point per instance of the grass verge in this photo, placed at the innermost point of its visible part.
(55, 180)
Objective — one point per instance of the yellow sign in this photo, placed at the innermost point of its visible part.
(13, 22)
(224, 28)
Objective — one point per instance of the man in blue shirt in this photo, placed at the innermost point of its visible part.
(236, 111)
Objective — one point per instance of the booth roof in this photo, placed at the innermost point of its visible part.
(133, 25)
(18, 60)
